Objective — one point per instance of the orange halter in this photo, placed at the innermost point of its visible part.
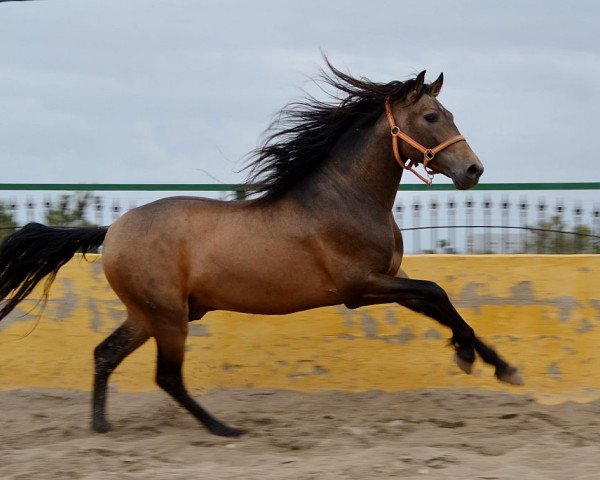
(428, 153)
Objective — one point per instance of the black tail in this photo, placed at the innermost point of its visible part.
(37, 251)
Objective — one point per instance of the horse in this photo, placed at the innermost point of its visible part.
(317, 231)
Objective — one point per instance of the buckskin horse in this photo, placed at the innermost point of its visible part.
(318, 231)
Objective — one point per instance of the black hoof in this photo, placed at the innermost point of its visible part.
(101, 426)
(223, 430)
(509, 375)
(464, 365)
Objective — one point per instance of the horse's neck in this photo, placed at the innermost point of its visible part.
(363, 166)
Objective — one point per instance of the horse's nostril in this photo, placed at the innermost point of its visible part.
(475, 171)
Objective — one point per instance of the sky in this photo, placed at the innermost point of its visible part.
(179, 91)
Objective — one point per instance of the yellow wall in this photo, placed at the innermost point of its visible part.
(541, 312)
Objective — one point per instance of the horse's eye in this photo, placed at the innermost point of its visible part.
(431, 117)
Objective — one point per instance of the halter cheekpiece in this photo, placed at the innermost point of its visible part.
(428, 153)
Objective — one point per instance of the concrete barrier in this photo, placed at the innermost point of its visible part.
(541, 312)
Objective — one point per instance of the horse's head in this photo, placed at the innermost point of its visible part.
(436, 142)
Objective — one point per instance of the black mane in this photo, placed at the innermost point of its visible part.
(305, 131)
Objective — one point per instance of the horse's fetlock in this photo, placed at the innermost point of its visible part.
(166, 381)
(99, 357)
(162, 381)
(466, 353)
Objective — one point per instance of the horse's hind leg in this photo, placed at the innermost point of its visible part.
(170, 344)
(107, 356)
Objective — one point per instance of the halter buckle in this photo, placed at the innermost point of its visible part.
(429, 154)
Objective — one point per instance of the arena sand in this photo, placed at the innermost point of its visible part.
(426, 434)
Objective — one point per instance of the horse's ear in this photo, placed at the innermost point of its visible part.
(417, 90)
(435, 87)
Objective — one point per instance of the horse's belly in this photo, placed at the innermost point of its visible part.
(265, 292)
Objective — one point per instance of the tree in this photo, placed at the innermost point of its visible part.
(554, 236)
(70, 210)
(7, 221)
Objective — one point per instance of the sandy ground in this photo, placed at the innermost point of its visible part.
(429, 434)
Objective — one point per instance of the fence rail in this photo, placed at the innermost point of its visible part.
(491, 218)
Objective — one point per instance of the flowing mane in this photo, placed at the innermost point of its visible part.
(305, 131)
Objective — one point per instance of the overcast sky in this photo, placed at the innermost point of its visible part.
(178, 91)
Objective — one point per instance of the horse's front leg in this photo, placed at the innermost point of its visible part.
(430, 299)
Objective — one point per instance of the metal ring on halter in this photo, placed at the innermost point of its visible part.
(428, 156)
(395, 130)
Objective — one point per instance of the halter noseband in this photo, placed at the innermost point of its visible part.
(428, 153)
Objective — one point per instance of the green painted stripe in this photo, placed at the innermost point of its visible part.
(123, 187)
(230, 187)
